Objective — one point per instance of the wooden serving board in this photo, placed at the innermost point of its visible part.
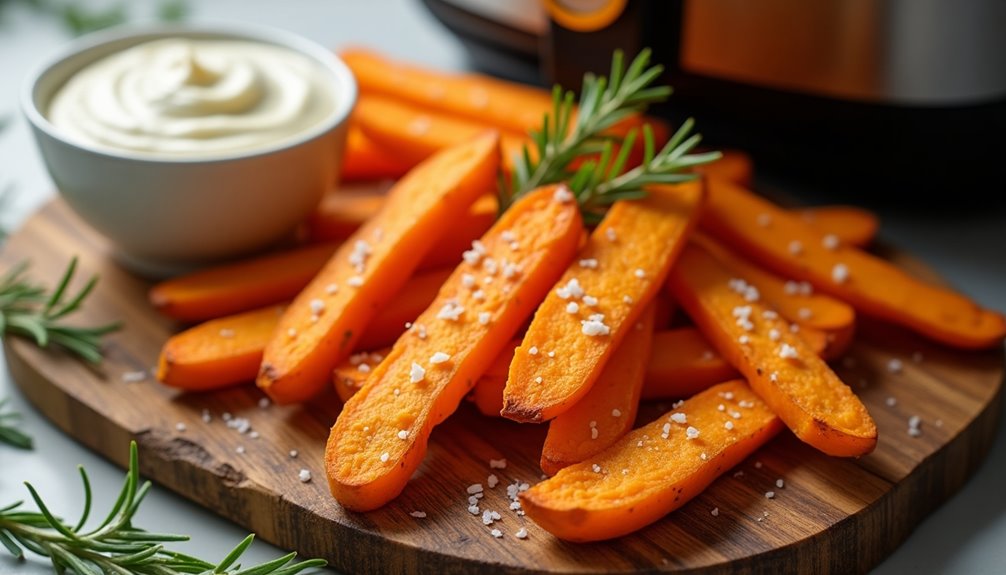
(832, 516)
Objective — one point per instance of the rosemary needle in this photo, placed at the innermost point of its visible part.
(27, 310)
(116, 546)
(600, 178)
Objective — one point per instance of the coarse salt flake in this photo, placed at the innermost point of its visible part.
(484, 317)
(679, 417)
(304, 475)
(590, 300)
(330, 289)
(468, 280)
(779, 483)
(385, 456)
(417, 373)
(317, 306)
(616, 412)
(840, 273)
(594, 326)
(496, 533)
(474, 488)
(589, 263)
(691, 433)
(639, 273)
(533, 350)
(715, 512)
(770, 495)
(562, 195)
(611, 234)
(795, 247)
(451, 311)
(729, 425)
(355, 281)
(418, 514)
(492, 480)
(830, 242)
(497, 464)
(225, 332)
(403, 434)
(439, 357)
(521, 533)
(787, 351)
(572, 307)
(596, 468)
(895, 365)
(572, 290)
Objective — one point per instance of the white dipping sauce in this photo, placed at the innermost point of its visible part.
(183, 97)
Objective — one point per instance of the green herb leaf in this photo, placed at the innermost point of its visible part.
(10, 434)
(116, 546)
(601, 178)
(26, 310)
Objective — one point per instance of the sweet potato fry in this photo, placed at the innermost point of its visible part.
(780, 366)
(219, 353)
(734, 166)
(598, 300)
(380, 437)
(792, 248)
(349, 376)
(608, 410)
(365, 160)
(323, 323)
(654, 469)
(389, 323)
(852, 226)
(413, 134)
(242, 286)
(487, 395)
(797, 303)
(227, 351)
(507, 105)
(682, 364)
(342, 212)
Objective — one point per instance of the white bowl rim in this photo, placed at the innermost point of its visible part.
(343, 81)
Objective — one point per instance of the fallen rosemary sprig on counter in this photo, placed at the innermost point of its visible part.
(599, 180)
(116, 546)
(8, 433)
(27, 310)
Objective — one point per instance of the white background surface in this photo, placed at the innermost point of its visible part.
(966, 535)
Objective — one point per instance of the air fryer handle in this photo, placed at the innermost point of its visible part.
(567, 54)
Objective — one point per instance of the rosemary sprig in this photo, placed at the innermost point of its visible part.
(599, 180)
(27, 310)
(115, 546)
(8, 433)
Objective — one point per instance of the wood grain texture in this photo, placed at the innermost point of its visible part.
(832, 516)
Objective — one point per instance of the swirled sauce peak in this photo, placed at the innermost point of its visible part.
(185, 97)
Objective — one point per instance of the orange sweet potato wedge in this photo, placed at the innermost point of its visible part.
(608, 410)
(733, 166)
(228, 350)
(597, 301)
(380, 437)
(342, 212)
(219, 353)
(349, 376)
(792, 248)
(324, 322)
(851, 225)
(365, 160)
(242, 286)
(797, 302)
(413, 134)
(655, 469)
(487, 395)
(779, 365)
(682, 364)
